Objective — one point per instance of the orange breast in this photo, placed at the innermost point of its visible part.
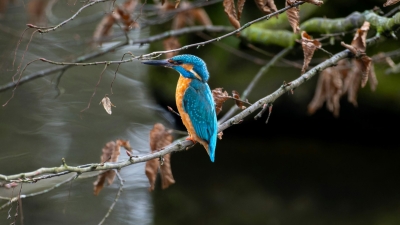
(183, 84)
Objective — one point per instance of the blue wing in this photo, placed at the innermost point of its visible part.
(199, 105)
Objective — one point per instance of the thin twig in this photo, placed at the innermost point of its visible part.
(181, 145)
(23, 55)
(266, 17)
(53, 28)
(16, 48)
(95, 88)
(115, 74)
(101, 52)
(178, 146)
(393, 11)
(234, 51)
(11, 200)
(121, 185)
(288, 62)
(255, 80)
(19, 79)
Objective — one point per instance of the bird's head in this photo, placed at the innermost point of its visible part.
(188, 66)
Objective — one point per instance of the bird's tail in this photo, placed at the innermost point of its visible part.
(211, 147)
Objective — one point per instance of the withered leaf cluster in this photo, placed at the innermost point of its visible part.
(330, 88)
(121, 14)
(266, 6)
(111, 152)
(293, 13)
(159, 138)
(187, 17)
(309, 46)
(234, 13)
(230, 10)
(390, 2)
(358, 47)
(220, 96)
(346, 77)
(107, 104)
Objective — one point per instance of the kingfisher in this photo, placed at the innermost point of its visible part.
(194, 99)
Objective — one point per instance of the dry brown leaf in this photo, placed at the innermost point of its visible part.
(238, 102)
(330, 88)
(121, 13)
(360, 38)
(220, 97)
(104, 29)
(390, 2)
(365, 65)
(129, 6)
(315, 2)
(167, 178)
(107, 104)
(240, 5)
(151, 172)
(293, 15)
(177, 3)
(230, 10)
(159, 138)
(125, 18)
(373, 81)
(124, 143)
(352, 83)
(358, 47)
(169, 44)
(189, 16)
(37, 11)
(180, 21)
(309, 46)
(200, 16)
(3, 7)
(111, 152)
(266, 6)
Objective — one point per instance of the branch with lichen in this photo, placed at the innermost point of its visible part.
(44, 173)
(65, 65)
(284, 38)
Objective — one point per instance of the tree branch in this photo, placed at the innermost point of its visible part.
(180, 145)
(256, 78)
(48, 29)
(11, 200)
(121, 185)
(101, 52)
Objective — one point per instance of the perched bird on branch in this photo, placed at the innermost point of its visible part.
(194, 99)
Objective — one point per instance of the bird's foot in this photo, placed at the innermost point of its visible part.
(191, 139)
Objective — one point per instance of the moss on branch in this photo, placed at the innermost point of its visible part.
(327, 26)
(382, 24)
(262, 36)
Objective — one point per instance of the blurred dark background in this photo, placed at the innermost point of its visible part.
(297, 169)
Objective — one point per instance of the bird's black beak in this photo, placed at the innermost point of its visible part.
(164, 63)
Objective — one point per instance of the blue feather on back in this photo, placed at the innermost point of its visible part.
(199, 105)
